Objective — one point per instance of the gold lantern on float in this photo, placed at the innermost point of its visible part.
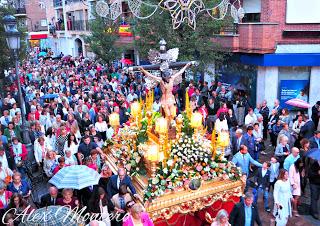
(114, 120)
(196, 121)
(153, 157)
(223, 141)
(135, 109)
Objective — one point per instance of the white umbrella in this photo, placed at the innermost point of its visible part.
(76, 177)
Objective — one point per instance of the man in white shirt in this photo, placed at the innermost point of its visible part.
(250, 118)
(5, 119)
(132, 95)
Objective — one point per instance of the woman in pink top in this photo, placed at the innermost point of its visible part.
(137, 217)
(294, 177)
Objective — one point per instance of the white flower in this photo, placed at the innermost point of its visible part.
(170, 161)
(165, 170)
(185, 141)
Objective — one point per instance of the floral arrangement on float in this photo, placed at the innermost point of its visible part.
(174, 154)
(190, 163)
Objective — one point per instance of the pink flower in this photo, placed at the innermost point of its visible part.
(205, 177)
(199, 168)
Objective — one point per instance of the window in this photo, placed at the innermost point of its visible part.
(43, 23)
(251, 18)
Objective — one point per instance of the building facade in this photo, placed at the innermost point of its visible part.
(280, 41)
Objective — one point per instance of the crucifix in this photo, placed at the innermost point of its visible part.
(165, 61)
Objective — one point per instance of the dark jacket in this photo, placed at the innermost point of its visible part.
(262, 181)
(235, 147)
(307, 130)
(46, 200)
(113, 188)
(313, 172)
(313, 143)
(237, 215)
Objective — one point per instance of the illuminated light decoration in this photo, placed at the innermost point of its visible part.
(181, 11)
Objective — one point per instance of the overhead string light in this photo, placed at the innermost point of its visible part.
(181, 11)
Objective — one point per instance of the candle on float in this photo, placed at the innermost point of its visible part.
(114, 119)
(196, 120)
(162, 125)
(135, 109)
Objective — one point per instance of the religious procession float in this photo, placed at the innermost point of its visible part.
(179, 171)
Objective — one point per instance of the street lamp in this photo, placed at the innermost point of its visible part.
(13, 41)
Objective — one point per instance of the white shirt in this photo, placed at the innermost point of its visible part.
(263, 171)
(4, 161)
(250, 119)
(101, 126)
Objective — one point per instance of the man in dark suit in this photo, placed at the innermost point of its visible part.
(116, 181)
(308, 128)
(245, 213)
(86, 194)
(237, 141)
(315, 140)
(51, 198)
(262, 182)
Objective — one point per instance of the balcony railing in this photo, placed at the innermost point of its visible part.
(78, 25)
(21, 11)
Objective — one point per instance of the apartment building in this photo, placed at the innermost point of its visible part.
(278, 44)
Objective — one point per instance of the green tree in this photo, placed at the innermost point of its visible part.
(193, 44)
(104, 38)
(6, 56)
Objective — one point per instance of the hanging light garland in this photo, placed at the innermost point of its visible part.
(181, 11)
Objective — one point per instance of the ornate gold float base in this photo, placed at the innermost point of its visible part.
(184, 201)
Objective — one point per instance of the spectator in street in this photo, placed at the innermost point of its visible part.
(274, 171)
(245, 213)
(307, 130)
(243, 160)
(105, 175)
(85, 148)
(282, 198)
(294, 178)
(262, 184)
(49, 163)
(276, 128)
(221, 219)
(137, 216)
(19, 186)
(4, 197)
(237, 141)
(251, 143)
(296, 127)
(50, 199)
(264, 111)
(68, 199)
(285, 116)
(285, 131)
(316, 113)
(258, 137)
(61, 164)
(231, 119)
(314, 179)
(273, 118)
(290, 159)
(40, 150)
(282, 150)
(315, 140)
(120, 200)
(250, 118)
(117, 180)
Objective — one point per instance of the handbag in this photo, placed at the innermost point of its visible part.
(8, 178)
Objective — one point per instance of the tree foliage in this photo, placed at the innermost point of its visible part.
(193, 44)
(104, 39)
(6, 56)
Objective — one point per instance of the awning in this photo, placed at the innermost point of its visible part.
(38, 35)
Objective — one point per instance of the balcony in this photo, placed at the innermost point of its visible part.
(78, 25)
(57, 3)
(249, 37)
(20, 12)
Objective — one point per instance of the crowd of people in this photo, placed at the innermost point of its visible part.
(68, 102)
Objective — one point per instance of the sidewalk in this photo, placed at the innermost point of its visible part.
(304, 220)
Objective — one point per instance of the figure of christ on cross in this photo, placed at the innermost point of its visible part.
(166, 85)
